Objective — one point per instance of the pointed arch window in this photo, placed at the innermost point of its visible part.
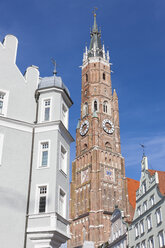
(103, 75)
(85, 109)
(95, 106)
(105, 107)
(86, 77)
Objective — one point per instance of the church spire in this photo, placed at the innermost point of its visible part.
(95, 49)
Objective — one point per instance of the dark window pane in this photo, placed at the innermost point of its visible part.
(44, 158)
(42, 204)
(47, 110)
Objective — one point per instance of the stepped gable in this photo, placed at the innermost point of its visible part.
(161, 175)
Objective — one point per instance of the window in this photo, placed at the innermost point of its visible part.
(138, 245)
(105, 107)
(86, 77)
(139, 210)
(158, 216)
(152, 200)
(141, 227)
(64, 115)
(85, 109)
(42, 199)
(63, 160)
(144, 188)
(136, 230)
(151, 242)
(143, 244)
(95, 105)
(47, 110)
(149, 222)
(145, 206)
(161, 239)
(3, 102)
(2, 95)
(44, 154)
(62, 203)
(103, 75)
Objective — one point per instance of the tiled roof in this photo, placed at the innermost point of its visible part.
(132, 185)
(161, 175)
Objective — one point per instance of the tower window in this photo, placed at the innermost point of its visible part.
(47, 110)
(85, 109)
(62, 203)
(105, 106)
(42, 199)
(63, 160)
(103, 75)
(44, 154)
(95, 105)
(86, 77)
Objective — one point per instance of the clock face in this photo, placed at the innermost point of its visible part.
(84, 127)
(108, 126)
(84, 176)
(109, 174)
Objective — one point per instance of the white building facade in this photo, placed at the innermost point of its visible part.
(148, 226)
(119, 230)
(34, 155)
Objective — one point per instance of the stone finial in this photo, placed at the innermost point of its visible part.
(144, 163)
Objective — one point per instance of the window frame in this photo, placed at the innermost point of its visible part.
(149, 222)
(44, 107)
(149, 240)
(158, 216)
(136, 230)
(64, 114)
(105, 107)
(152, 200)
(142, 227)
(65, 201)
(163, 239)
(62, 168)
(38, 186)
(5, 101)
(40, 154)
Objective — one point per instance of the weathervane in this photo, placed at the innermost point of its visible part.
(55, 65)
(143, 147)
(94, 11)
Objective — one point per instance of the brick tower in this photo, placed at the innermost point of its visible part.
(98, 171)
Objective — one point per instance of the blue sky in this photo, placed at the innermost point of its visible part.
(134, 32)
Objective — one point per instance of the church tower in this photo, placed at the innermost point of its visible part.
(98, 171)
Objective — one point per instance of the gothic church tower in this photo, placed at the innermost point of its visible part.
(98, 171)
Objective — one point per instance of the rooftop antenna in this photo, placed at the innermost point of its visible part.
(143, 147)
(55, 67)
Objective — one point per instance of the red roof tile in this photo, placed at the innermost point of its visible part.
(132, 185)
(161, 175)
